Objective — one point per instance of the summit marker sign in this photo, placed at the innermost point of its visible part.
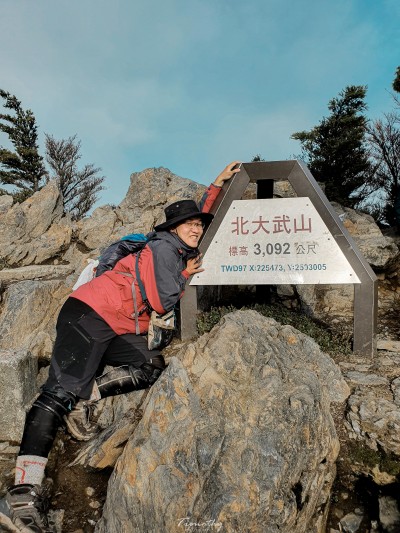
(274, 242)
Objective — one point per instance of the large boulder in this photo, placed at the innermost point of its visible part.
(34, 231)
(236, 434)
(99, 229)
(18, 370)
(149, 192)
(378, 250)
(28, 315)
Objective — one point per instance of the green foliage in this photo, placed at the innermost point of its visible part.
(362, 454)
(24, 168)
(328, 342)
(396, 81)
(206, 321)
(335, 150)
(79, 187)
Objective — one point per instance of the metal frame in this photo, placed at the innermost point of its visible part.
(304, 184)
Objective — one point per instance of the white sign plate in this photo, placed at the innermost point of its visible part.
(274, 242)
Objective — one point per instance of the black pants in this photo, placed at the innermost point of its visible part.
(85, 343)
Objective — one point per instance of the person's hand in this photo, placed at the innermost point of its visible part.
(194, 265)
(227, 173)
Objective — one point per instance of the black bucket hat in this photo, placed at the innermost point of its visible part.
(181, 211)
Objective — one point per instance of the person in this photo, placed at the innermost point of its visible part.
(97, 326)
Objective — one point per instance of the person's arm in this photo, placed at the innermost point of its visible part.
(214, 189)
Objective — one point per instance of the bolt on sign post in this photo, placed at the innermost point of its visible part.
(283, 241)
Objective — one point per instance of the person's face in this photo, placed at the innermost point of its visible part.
(190, 231)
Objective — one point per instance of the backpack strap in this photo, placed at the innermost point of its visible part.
(141, 286)
(135, 308)
(136, 313)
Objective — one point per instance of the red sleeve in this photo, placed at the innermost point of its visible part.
(209, 198)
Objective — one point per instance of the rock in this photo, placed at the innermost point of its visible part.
(149, 192)
(18, 370)
(100, 228)
(33, 232)
(48, 246)
(285, 290)
(395, 386)
(380, 477)
(236, 433)
(333, 304)
(351, 522)
(389, 515)
(283, 189)
(117, 416)
(8, 455)
(34, 272)
(378, 250)
(6, 202)
(29, 313)
(361, 378)
(388, 345)
(375, 420)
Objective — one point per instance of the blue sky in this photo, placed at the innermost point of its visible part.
(191, 85)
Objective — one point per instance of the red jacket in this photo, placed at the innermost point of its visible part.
(162, 264)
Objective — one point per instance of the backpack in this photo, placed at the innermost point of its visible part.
(130, 244)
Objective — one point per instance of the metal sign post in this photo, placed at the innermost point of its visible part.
(283, 241)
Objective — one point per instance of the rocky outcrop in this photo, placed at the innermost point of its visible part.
(34, 232)
(373, 411)
(378, 250)
(237, 434)
(28, 316)
(18, 368)
(333, 304)
(150, 191)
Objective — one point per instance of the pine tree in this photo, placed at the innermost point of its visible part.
(78, 187)
(396, 81)
(382, 188)
(335, 150)
(24, 168)
(384, 180)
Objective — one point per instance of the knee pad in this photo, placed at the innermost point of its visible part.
(57, 401)
(43, 420)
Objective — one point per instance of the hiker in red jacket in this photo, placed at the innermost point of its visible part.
(98, 326)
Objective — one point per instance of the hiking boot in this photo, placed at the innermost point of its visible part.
(28, 507)
(78, 421)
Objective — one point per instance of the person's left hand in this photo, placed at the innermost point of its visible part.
(227, 173)
(194, 265)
